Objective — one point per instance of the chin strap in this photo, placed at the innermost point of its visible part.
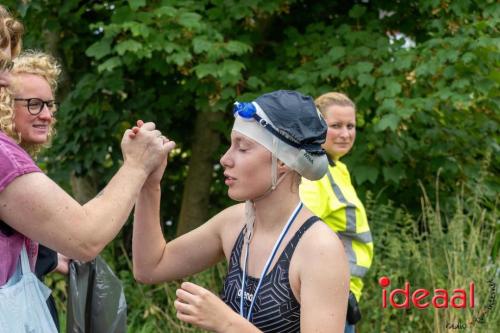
(249, 221)
(275, 181)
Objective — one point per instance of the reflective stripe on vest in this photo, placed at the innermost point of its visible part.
(350, 231)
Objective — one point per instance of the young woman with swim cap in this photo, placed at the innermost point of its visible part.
(287, 271)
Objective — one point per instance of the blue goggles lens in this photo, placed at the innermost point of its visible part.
(244, 110)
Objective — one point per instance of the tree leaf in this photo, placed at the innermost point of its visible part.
(129, 45)
(392, 89)
(366, 80)
(388, 121)
(230, 69)
(254, 82)
(136, 4)
(237, 48)
(201, 44)
(365, 173)
(99, 49)
(364, 67)
(336, 53)
(393, 173)
(190, 20)
(204, 70)
(357, 11)
(109, 64)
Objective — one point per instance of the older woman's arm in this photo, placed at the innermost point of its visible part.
(35, 206)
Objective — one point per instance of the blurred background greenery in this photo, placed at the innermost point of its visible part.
(425, 77)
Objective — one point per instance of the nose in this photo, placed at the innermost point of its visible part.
(344, 131)
(226, 160)
(46, 113)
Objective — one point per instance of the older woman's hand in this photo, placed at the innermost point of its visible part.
(145, 148)
(156, 175)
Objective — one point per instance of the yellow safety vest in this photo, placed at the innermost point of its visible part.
(334, 200)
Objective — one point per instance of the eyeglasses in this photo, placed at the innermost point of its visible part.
(6, 65)
(35, 105)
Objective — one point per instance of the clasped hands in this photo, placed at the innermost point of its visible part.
(144, 146)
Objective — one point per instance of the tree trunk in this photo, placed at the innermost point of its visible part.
(206, 139)
(51, 41)
(84, 188)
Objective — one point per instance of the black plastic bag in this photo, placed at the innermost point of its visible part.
(96, 301)
(353, 312)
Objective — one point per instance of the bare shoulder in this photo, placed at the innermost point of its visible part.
(35, 197)
(226, 218)
(31, 191)
(321, 280)
(320, 237)
(319, 245)
(230, 212)
(20, 183)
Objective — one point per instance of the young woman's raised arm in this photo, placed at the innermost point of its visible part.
(156, 260)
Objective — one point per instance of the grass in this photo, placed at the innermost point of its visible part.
(434, 251)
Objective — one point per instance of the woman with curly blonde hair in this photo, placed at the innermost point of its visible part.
(23, 117)
(34, 209)
(33, 83)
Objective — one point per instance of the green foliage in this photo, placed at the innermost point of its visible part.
(421, 108)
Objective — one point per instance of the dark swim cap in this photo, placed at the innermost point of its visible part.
(289, 125)
(296, 117)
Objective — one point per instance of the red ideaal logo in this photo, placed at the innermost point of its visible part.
(458, 299)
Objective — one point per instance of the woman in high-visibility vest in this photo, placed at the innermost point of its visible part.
(334, 199)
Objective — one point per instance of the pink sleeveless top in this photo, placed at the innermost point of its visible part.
(14, 162)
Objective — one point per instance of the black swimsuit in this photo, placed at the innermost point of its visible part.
(275, 309)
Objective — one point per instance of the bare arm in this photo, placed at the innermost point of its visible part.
(155, 260)
(324, 282)
(38, 208)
